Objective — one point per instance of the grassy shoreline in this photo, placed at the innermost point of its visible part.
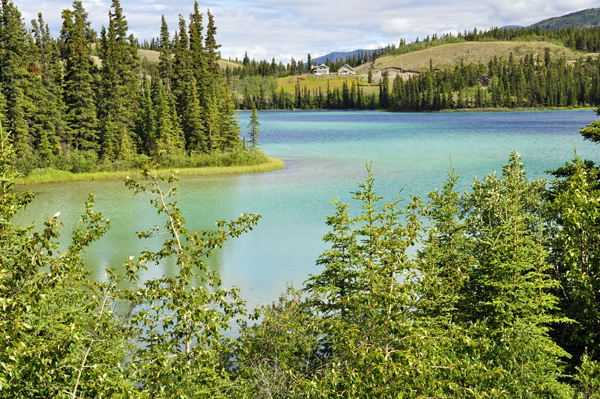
(519, 109)
(50, 175)
(449, 110)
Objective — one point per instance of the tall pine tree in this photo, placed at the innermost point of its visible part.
(119, 86)
(80, 108)
(14, 75)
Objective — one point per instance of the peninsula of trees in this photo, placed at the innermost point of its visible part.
(64, 110)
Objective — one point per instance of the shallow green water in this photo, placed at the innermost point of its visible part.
(322, 151)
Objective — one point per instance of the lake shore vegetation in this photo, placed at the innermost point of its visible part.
(51, 175)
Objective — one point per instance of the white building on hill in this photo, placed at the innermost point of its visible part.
(320, 69)
(346, 70)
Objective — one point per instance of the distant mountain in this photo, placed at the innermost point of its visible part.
(338, 55)
(511, 27)
(579, 19)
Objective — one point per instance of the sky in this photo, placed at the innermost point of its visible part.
(282, 29)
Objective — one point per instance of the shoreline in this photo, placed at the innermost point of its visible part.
(441, 111)
(59, 176)
(520, 109)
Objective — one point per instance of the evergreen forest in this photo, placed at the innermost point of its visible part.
(65, 111)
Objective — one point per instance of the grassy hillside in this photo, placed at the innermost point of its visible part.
(149, 54)
(153, 57)
(448, 55)
(443, 57)
(314, 82)
(579, 19)
(225, 63)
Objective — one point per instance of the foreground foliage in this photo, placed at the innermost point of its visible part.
(66, 335)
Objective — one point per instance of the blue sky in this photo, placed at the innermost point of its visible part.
(293, 28)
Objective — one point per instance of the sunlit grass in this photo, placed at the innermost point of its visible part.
(449, 55)
(314, 82)
(153, 56)
(51, 175)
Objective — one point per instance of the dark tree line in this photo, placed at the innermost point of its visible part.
(57, 101)
(351, 96)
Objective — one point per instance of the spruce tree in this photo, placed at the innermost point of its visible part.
(384, 91)
(168, 135)
(80, 107)
(14, 76)
(165, 68)
(196, 138)
(429, 89)
(45, 92)
(89, 33)
(182, 73)
(119, 85)
(146, 129)
(339, 280)
(446, 254)
(191, 107)
(574, 212)
(253, 131)
(511, 279)
(197, 53)
(509, 292)
(212, 124)
(229, 124)
(212, 48)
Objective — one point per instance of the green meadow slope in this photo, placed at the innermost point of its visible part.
(449, 55)
(152, 56)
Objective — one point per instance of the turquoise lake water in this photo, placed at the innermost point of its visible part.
(323, 151)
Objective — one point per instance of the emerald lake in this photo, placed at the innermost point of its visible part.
(324, 152)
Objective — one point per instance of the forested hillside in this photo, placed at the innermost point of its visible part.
(578, 20)
(527, 81)
(526, 68)
(65, 111)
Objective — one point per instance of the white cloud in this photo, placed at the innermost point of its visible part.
(285, 28)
